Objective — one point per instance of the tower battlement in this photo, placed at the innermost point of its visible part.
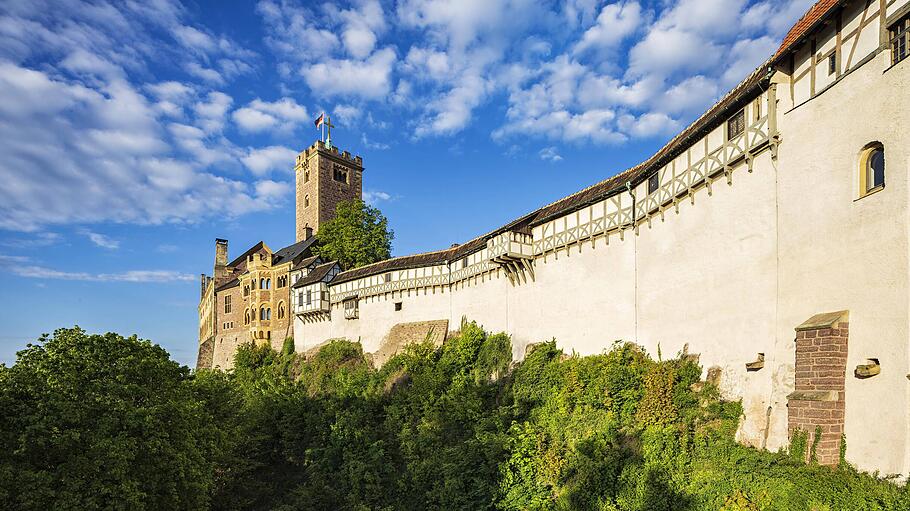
(325, 176)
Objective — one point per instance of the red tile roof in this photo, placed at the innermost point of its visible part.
(802, 27)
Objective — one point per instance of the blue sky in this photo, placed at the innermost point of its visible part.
(134, 133)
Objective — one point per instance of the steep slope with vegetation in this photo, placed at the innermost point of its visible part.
(105, 422)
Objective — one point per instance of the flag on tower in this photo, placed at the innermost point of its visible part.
(320, 120)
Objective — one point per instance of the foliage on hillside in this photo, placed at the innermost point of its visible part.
(357, 235)
(435, 428)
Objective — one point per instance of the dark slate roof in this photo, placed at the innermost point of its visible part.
(317, 274)
(305, 262)
(746, 91)
(242, 257)
(229, 284)
(291, 252)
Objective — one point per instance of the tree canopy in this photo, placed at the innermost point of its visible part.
(106, 422)
(102, 421)
(358, 235)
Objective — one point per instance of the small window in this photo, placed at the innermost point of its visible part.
(736, 125)
(268, 314)
(227, 304)
(832, 63)
(900, 39)
(653, 183)
(756, 109)
(387, 278)
(464, 262)
(351, 308)
(306, 201)
(397, 306)
(281, 310)
(268, 283)
(340, 173)
(300, 298)
(309, 296)
(872, 168)
(246, 290)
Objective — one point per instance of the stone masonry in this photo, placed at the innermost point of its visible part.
(320, 189)
(817, 402)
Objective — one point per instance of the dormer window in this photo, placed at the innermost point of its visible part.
(736, 125)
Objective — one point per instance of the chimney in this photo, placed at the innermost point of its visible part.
(221, 255)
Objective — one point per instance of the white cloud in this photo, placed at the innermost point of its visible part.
(272, 191)
(549, 154)
(369, 78)
(283, 115)
(21, 267)
(361, 28)
(264, 160)
(371, 144)
(615, 23)
(102, 241)
(371, 197)
(212, 112)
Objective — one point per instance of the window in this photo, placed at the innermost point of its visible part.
(900, 39)
(281, 310)
(309, 296)
(246, 317)
(387, 278)
(464, 262)
(306, 175)
(268, 283)
(300, 298)
(832, 63)
(246, 290)
(227, 304)
(351, 308)
(268, 314)
(306, 201)
(736, 125)
(653, 183)
(397, 306)
(339, 173)
(872, 168)
(756, 109)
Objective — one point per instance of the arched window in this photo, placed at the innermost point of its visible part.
(261, 283)
(280, 310)
(872, 168)
(246, 317)
(262, 314)
(268, 314)
(306, 201)
(268, 283)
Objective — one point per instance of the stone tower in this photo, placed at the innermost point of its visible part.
(325, 177)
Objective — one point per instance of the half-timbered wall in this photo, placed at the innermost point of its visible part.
(743, 240)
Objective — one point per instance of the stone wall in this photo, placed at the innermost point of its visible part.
(206, 352)
(404, 334)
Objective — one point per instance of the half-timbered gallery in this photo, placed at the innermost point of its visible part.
(770, 238)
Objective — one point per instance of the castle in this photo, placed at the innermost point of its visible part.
(770, 238)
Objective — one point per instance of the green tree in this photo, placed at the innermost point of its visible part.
(358, 235)
(103, 422)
